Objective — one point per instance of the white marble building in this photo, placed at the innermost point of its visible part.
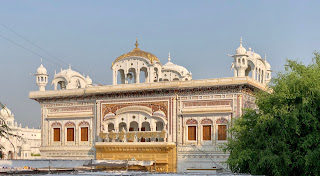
(25, 148)
(151, 112)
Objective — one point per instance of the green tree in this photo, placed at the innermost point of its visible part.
(283, 136)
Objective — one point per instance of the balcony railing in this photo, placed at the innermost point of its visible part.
(134, 136)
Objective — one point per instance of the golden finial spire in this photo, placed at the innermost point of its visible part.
(137, 44)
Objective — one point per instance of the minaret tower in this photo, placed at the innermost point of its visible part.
(42, 77)
(240, 61)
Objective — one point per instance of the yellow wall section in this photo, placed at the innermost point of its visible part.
(164, 154)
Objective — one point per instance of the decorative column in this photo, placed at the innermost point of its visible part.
(138, 77)
(115, 76)
(199, 134)
(126, 76)
(151, 75)
(253, 73)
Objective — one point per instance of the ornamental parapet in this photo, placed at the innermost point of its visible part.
(134, 136)
(206, 149)
(109, 89)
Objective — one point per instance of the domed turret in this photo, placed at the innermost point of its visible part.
(174, 72)
(7, 116)
(6, 113)
(42, 77)
(70, 79)
(41, 70)
(139, 66)
(241, 50)
(89, 81)
(248, 63)
(137, 52)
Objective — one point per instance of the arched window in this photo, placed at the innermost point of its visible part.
(62, 85)
(206, 129)
(10, 155)
(192, 129)
(156, 74)
(70, 131)
(56, 129)
(145, 126)
(84, 129)
(134, 126)
(110, 127)
(143, 76)
(120, 77)
(259, 75)
(132, 76)
(159, 126)
(122, 126)
(222, 124)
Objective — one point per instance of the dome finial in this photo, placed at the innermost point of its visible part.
(265, 57)
(240, 41)
(69, 66)
(41, 60)
(169, 58)
(137, 44)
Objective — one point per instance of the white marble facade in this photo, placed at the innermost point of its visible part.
(25, 148)
(148, 102)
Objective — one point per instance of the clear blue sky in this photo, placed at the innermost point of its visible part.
(90, 35)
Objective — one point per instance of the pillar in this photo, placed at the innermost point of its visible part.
(115, 76)
(138, 77)
(253, 73)
(126, 77)
(150, 75)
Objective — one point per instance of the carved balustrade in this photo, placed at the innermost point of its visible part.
(134, 136)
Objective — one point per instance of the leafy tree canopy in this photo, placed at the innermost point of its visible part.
(283, 136)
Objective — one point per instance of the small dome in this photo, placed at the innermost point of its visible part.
(139, 53)
(5, 112)
(89, 80)
(241, 50)
(42, 70)
(175, 67)
(68, 73)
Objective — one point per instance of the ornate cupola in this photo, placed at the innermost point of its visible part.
(42, 78)
(137, 66)
(248, 63)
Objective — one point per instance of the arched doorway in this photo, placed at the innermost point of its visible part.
(134, 126)
(10, 155)
(145, 127)
(122, 126)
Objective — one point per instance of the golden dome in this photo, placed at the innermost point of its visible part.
(138, 52)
